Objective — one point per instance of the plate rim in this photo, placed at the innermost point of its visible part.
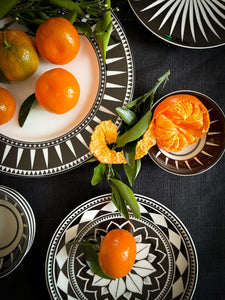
(107, 197)
(195, 93)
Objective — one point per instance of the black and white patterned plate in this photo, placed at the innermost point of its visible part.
(49, 144)
(203, 155)
(185, 23)
(166, 265)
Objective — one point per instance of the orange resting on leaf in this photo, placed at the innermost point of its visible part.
(117, 253)
(179, 120)
(57, 40)
(18, 56)
(7, 106)
(57, 90)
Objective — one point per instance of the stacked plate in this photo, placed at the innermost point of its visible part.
(17, 229)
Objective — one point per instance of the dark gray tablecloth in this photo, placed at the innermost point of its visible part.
(197, 200)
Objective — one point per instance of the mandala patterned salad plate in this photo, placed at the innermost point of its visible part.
(166, 265)
(200, 157)
(49, 144)
(186, 23)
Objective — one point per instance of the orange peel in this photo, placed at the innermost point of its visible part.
(106, 133)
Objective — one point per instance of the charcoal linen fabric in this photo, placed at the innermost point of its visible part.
(199, 201)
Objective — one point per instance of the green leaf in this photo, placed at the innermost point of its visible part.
(132, 172)
(3, 78)
(91, 258)
(118, 200)
(129, 151)
(6, 6)
(98, 175)
(136, 131)
(127, 195)
(104, 29)
(85, 28)
(68, 4)
(25, 109)
(127, 115)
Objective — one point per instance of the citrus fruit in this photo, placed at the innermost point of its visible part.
(180, 120)
(18, 56)
(7, 106)
(57, 90)
(57, 41)
(117, 253)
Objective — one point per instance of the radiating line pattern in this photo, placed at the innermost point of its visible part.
(201, 156)
(71, 150)
(193, 20)
(166, 265)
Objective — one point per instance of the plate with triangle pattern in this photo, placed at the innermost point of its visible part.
(166, 265)
(50, 144)
(185, 23)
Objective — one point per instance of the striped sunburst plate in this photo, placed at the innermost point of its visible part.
(49, 144)
(203, 155)
(185, 23)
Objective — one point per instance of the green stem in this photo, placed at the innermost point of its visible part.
(6, 44)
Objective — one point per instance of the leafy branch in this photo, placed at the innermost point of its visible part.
(136, 116)
(91, 17)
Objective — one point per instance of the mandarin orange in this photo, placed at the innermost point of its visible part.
(7, 106)
(180, 120)
(57, 40)
(117, 253)
(57, 90)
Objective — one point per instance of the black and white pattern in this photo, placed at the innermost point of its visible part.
(17, 239)
(166, 265)
(203, 155)
(70, 150)
(186, 23)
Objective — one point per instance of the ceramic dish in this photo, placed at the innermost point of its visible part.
(166, 265)
(203, 155)
(59, 143)
(185, 23)
(17, 229)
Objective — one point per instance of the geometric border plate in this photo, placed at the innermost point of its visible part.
(35, 159)
(203, 155)
(195, 24)
(166, 265)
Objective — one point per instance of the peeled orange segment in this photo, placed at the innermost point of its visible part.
(179, 121)
(106, 133)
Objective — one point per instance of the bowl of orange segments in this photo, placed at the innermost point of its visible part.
(189, 132)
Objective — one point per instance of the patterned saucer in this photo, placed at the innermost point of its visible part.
(166, 265)
(17, 229)
(203, 155)
(185, 23)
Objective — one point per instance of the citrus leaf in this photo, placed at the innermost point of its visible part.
(127, 195)
(127, 115)
(5, 6)
(132, 172)
(91, 258)
(98, 174)
(118, 200)
(68, 4)
(25, 109)
(136, 131)
(85, 28)
(3, 78)
(129, 151)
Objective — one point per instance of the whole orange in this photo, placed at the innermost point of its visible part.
(18, 56)
(7, 106)
(57, 90)
(117, 253)
(57, 40)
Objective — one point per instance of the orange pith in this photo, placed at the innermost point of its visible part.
(57, 90)
(7, 106)
(117, 253)
(179, 120)
(57, 41)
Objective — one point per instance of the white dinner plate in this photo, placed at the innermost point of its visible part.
(166, 265)
(48, 143)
